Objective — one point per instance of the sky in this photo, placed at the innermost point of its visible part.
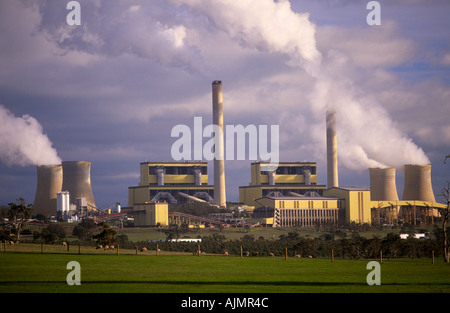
(111, 89)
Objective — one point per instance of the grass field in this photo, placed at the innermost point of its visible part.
(24, 272)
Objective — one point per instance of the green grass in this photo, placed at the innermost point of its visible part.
(46, 273)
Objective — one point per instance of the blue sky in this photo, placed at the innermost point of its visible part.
(110, 90)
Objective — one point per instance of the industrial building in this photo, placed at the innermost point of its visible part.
(64, 189)
(289, 179)
(287, 196)
(172, 182)
(418, 204)
(336, 205)
(150, 214)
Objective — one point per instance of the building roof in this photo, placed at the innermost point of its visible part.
(301, 198)
(177, 163)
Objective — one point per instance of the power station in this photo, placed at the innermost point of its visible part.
(286, 196)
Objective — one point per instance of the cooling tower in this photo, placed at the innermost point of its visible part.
(219, 167)
(418, 183)
(77, 180)
(332, 163)
(382, 184)
(49, 180)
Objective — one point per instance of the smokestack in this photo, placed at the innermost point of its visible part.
(160, 175)
(49, 181)
(418, 183)
(382, 184)
(332, 163)
(198, 176)
(219, 167)
(77, 180)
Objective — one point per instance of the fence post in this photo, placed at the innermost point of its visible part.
(332, 255)
(381, 256)
(42, 247)
(432, 254)
(241, 251)
(285, 253)
(118, 249)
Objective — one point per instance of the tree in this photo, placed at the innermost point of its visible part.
(107, 237)
(85, 229)
(18, 213)
(445, 212)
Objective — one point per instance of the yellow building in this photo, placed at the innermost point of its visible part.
(337, 205)
(302, 211)
(357, 203)
(289, 179)
(150, 214)
(172, 182)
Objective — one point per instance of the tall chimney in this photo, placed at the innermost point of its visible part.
(418, 183)
(382, 184)
(332, 163)
(219, 167)
(49, 180)
(77, 180)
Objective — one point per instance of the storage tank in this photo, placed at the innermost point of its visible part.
(77, 180)
(49, 180)
(382, 184)
(418, 183)
(63, 202)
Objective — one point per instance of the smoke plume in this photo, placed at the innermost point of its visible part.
(367, 136)
(22, 141)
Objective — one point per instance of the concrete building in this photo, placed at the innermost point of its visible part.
(172, 182)
(290, 179)
(338, 205)
(150, 214)
(357, 203)
(303, 211)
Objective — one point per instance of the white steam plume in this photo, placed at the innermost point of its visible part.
(22, 141)
(367, 136)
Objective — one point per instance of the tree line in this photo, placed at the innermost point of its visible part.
(355, 247)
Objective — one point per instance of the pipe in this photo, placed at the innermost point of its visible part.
(190, 197)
